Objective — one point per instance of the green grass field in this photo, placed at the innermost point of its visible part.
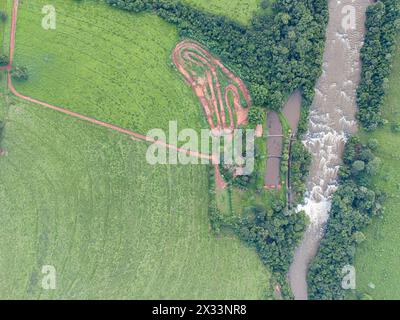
(105, 63)
(3, 30)
(83, 199)
(239, 10)
(378, 259)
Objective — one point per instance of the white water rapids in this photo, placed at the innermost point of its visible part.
(332, 120)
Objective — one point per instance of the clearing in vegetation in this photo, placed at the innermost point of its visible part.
(215, 86)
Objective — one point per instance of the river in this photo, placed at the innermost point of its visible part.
(332, 120)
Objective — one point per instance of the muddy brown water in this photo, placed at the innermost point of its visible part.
(332, 119)
(292, 110)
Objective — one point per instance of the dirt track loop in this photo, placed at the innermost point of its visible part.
(204, 73)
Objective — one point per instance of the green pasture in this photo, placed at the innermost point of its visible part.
(239, 10)
(378, 259)
(84, 200)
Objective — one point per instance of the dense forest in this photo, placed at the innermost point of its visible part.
(382, 28)
(354, 205)
(274, 231)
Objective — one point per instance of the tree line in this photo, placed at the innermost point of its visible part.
(380, 41)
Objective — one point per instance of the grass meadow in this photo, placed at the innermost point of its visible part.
(3, 26)
(378, 259)
(82, 198)
(238, 10)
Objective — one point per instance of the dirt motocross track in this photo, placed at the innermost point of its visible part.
(205, 74)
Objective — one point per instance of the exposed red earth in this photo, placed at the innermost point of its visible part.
(202, 72)
(211, 101)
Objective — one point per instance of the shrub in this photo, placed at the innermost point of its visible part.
(3, 16)
(395, 127)
(373, 144)
(20, 74)
(256, 115)
(3, 60)
(359, 237)
(358, 166)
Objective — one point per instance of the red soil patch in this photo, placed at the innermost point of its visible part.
(202, 72)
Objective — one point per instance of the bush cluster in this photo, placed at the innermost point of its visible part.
(354, 205)
(382, 26)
